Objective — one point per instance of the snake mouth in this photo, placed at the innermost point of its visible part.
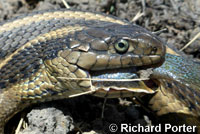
(124, 82)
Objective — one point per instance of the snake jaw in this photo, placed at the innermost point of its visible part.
(113, 91)
(142, 89)
(119, 83)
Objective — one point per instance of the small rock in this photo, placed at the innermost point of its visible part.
(48, 121)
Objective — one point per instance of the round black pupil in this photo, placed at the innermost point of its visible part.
(121, 45)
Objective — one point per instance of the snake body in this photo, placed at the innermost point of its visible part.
(52, 55)
(179, 91)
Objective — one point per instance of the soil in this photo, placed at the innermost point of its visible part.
(175, 21)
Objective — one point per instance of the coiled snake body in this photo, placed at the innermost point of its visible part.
(52, 55)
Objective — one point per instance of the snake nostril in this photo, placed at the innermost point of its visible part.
(154, 50)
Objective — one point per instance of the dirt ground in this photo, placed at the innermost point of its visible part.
(175, 21)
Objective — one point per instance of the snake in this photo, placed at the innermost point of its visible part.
(57, 54)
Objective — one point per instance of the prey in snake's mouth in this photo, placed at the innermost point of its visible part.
(119, 82)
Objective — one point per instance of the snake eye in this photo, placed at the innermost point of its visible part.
(121, 46)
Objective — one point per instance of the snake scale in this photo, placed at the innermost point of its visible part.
(58, 54)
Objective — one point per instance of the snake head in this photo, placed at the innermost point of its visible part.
(118, 46)
(108, 57)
